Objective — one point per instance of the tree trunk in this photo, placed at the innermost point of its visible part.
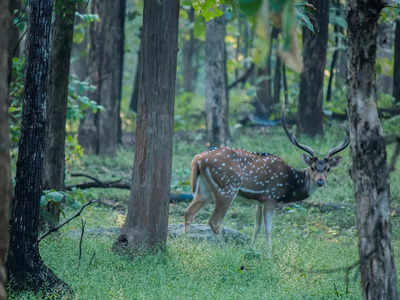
(336, 30)
(25, 266)
(147, 221)
(277, 78)
(79, 64)
(189, 70)
(61, 45)
(5, 169)
(264, 97)
(13, 37)
(135, 93)
(98, 132)
(369, 170)
(396, 66)
(215, 83)
(309, 113)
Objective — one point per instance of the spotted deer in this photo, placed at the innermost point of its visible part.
(224, 173)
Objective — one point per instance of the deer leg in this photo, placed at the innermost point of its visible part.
(198, 202)
(222, 204)
(268, 212)
(257, 224)
(192, 210)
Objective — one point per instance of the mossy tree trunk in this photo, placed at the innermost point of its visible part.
(25, 266)
(147, 221)
(369, 170)
(5, 169)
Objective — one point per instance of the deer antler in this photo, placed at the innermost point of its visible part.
(305, 148)
(340, 147)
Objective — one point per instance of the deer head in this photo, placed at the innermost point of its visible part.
(318, 167)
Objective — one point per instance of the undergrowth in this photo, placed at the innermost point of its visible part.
(304, 238)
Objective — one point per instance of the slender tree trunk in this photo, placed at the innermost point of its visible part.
(277, 78)
(98, 132)
(189, 70)
(61, 45)
(264, 98)
(369, 169)
(147, 221)
(309, 113)
(121, 52)
(135, 93)
(79, 65)
(5, 169)
(215, 83)
(13, 37)
(396, 66)
(25, 266)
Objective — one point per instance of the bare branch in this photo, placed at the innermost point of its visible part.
(242, 78)
(66, 221)
(80, 241)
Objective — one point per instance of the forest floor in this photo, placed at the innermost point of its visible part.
(306, 239)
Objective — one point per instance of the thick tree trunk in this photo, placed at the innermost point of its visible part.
(98, 132)
(309, 113)
(61, 45)
(25, 267)
(5, 169)
(396, 66)
(147, 221)
(189, 69)
(369, 169)
(215, 83)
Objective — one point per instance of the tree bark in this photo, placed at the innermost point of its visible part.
(98, 132)
(217, 103)
(61, 45)
(369, 170)
(147, 221)
(25, 266)
(5, 169)
(396, 66)
(309, 113)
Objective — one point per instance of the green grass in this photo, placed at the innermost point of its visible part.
(304, 239)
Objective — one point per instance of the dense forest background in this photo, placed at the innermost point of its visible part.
(103, 105)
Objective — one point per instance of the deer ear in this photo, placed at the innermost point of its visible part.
(307, 159)
(334, 161)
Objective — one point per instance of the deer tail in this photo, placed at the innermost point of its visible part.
(195, 172)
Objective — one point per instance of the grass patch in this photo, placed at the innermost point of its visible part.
(304, 239)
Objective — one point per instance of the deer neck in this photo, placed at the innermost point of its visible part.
(302, 187)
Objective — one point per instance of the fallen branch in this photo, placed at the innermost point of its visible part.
(78, 213)
(117, 184)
